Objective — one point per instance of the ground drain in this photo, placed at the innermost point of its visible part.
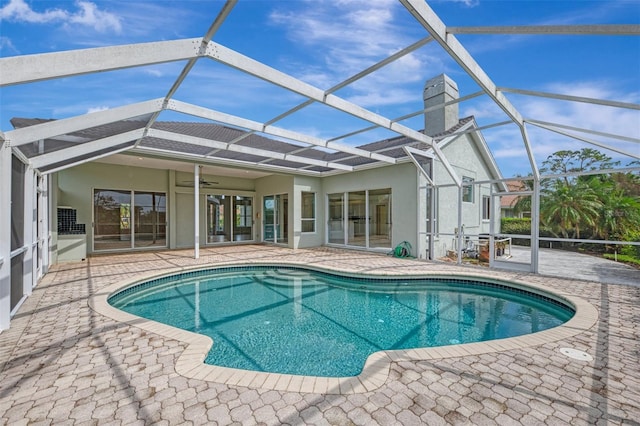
(576, 354)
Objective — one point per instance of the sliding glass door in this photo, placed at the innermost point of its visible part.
(150, 222)
(357, 215)
(275, 222)
(229, 218)
(129, 219)
(360, 218)
(243, 218)
(380, 218)
(111, 220)
(336, 219)
(218, 218)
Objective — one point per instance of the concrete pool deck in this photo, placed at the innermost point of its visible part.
(65, 363)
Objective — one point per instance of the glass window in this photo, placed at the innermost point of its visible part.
(150, 219)
(486, 208)
(308, 211)
(467, 189)
(336, 215)
(357, 227)
(380, 218)
(112, 219)
(120, 215)
(218, 225)
(243, 223)
(368, 218)
(282, 218)
(229, 218)
(276, 218)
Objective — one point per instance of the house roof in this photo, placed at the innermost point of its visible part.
(235, 145)
(508, 201)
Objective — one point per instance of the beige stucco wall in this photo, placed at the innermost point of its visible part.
(76, 186)
(402, 179)
(464, 156)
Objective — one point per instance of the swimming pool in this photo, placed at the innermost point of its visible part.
(294, 320)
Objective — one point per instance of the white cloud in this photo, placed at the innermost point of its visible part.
(506, 141)
(90, 16)
(586, 115)
(97, 109)
(388, 97)
(87, 15)
(7, 45)
(483, 109)
(468, 3)
(20, 11)
(350, 35)
(154, 72)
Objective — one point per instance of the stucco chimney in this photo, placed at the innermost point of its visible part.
(437, 91)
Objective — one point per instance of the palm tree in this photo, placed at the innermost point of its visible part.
(619, 210)
(569, 206)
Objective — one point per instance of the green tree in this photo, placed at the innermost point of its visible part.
(569, 207)
(619, 210)
(567, 161)
(606, 204)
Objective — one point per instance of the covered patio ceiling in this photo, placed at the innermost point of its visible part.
(230, 141)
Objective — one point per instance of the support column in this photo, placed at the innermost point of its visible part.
(196, 210)
(172, 197)
(5, 233)
(460, 238)
(52, 195)
(29, 219)
(432, 221)
(45, 227)
(535, 224)
(492, 228)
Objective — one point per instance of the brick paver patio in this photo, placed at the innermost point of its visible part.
(62, 362)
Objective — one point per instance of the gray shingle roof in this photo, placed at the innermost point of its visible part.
(391, 147)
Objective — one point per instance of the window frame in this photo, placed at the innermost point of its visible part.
(306, 220)
(486, 208)
(468, 194)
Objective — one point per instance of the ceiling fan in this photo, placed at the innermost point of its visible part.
(202, 182)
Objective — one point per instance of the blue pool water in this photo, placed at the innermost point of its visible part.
(297, 321)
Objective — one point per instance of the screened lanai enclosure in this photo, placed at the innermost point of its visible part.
(181, 169)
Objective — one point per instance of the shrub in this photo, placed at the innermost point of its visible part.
(633, 251)
(522, 226)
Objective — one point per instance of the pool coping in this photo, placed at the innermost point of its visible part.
(375, 372)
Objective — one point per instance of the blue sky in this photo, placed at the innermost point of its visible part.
(325, 42)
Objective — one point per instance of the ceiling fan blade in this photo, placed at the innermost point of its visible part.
(202, 182)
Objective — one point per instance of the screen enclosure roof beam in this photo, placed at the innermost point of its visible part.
(85, 148)
(45, 66)
(617, 30)
(571, 98)
(193, 140)
(434, 25)
(255, 126)
(65, 126)
(236, 60)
